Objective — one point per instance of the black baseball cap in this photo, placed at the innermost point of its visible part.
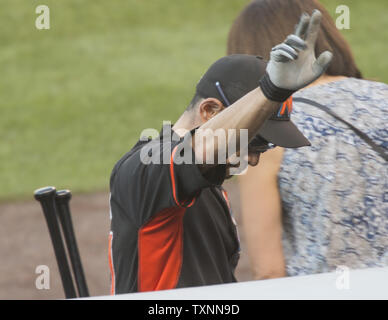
(232, 77)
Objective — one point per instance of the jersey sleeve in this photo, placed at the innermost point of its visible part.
(144, 188)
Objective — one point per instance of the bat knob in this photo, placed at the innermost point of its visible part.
(64, 195)
(44, 192)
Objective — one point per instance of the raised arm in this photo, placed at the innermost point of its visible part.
(292, 66)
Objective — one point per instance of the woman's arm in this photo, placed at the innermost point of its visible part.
(261, 216)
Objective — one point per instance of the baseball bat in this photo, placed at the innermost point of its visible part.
(46, 197)
(62, 200)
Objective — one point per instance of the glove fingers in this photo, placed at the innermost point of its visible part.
(322, 63)
(277, 57)
(313, 28)
(301, 27)
(295, 42)
(286, 48)
(281, 56)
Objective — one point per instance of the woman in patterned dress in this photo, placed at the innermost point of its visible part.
(315, 208)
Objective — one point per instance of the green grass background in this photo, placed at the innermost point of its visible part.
(74, 98)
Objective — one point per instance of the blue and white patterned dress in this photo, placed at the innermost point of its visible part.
(335, 193)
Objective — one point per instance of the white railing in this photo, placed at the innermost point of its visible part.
(343, 284)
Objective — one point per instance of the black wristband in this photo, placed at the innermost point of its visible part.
(273, 92)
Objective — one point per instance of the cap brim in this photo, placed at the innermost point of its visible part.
(283, 134)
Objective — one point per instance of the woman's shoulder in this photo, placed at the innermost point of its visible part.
(363, 103)
(346, 88)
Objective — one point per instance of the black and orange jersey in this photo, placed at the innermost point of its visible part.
(171, 226)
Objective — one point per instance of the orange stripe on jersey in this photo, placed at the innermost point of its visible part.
(110, 258)
(172, 175)
(224, 193)
(286, 105)
(283, 108)
(289, 104)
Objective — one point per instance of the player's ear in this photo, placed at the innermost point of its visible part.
(209, 108)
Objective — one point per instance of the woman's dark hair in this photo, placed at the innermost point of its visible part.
(266, 23)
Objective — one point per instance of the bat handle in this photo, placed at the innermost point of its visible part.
(46, 197)
(62, 202)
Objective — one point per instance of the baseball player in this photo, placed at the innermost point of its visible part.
(171, 224)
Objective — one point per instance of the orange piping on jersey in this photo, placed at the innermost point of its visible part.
(110, 258)
(180, 204)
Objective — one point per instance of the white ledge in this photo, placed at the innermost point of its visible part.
(360, 284)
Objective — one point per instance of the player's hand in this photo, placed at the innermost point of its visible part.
(293, 65)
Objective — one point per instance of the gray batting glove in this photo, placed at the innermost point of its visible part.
(293, 65)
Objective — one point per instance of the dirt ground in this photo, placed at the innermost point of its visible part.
(25, 244)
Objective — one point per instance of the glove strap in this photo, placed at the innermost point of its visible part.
(273, 92)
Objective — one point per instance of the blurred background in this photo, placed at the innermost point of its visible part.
(74, 99)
